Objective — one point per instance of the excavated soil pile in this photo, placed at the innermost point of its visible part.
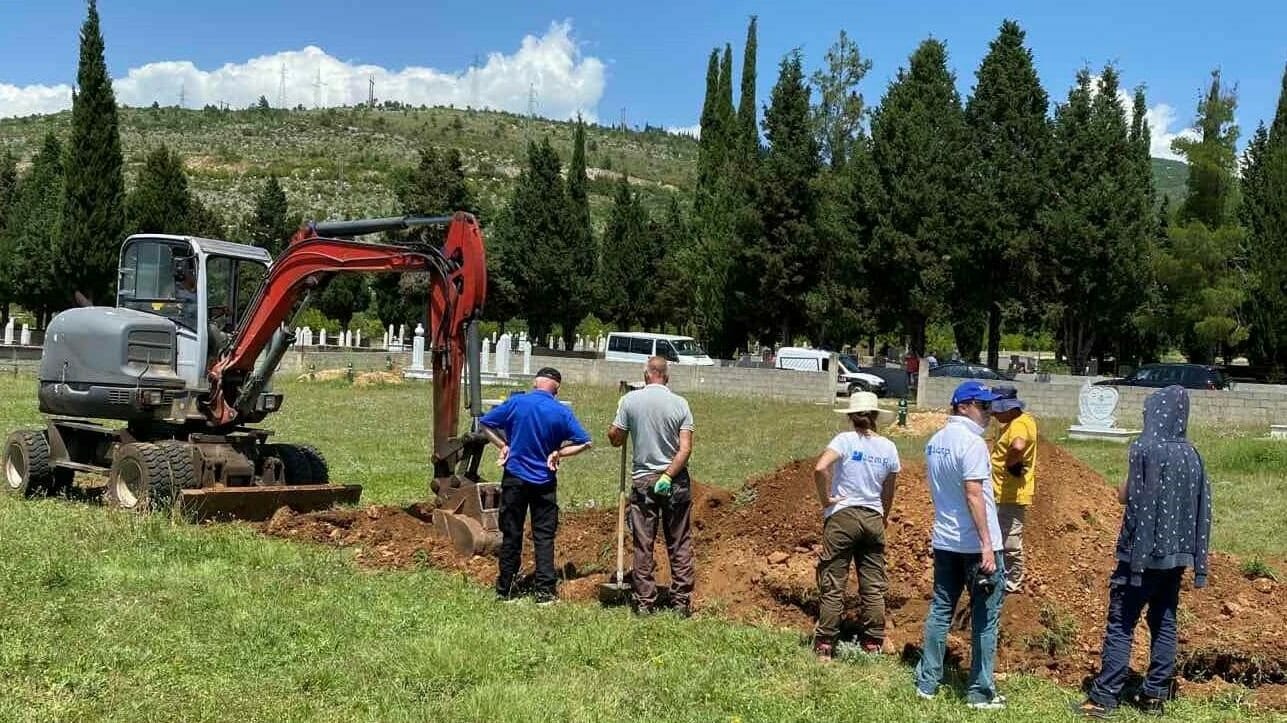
(756, 557)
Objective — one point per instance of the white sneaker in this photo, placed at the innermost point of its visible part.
(922, 694)
(997, 703)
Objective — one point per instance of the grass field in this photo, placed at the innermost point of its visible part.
(107, 616)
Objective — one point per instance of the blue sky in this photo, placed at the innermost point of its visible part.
(601, 57)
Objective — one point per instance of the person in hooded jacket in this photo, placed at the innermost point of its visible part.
(1166, 527)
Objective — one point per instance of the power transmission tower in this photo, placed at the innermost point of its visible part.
(182, 94)
(625, 125)
(531, 110)
(473, 82)
(317, 89)
(281, 89)
(370, 93)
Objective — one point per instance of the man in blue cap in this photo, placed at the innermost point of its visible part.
(967, 546)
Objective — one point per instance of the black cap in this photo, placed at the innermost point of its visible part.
(550, 373)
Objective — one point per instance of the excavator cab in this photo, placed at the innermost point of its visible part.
(202, 285)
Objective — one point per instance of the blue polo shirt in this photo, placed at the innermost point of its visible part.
(535, 424)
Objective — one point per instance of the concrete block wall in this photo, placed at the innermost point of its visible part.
(779, 384)
(1245, 406)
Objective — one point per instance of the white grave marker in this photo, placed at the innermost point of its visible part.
(418, 349)
(527, 357)
(26, 335)
(502, 357)
(8, 332)
(1096, 418)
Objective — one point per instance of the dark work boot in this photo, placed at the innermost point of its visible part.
(1148, 704)
(824, 648)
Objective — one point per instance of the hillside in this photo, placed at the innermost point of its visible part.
(1169, 178)
(338, 162)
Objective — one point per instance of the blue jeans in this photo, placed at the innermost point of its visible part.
(953, 573)
(1160, 591)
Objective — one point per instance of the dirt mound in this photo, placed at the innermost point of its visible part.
(756, 556)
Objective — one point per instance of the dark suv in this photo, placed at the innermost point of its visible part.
(1189, 376)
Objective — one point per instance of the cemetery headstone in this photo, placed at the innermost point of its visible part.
(8, 332)
(322, 338)
(1097, 416)
(502, 356)
(527, 358)
(25, 340)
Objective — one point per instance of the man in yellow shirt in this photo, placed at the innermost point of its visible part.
(1014, 463)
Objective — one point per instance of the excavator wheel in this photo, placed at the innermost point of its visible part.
(147, 477)
(27, 472)
(303, 464)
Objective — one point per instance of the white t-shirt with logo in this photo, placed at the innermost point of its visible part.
(865, 461)
(954, 454)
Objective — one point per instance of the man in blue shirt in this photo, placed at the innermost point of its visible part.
(535, 428)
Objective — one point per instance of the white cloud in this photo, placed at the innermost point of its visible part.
(1160, 119)
(563, 81)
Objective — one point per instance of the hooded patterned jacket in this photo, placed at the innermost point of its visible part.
(1167, 522)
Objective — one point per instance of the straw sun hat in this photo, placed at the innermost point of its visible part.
(865, 402)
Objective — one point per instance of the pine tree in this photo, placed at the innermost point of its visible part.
(28, 241)
(94, 208)
(787, 204)
(674, 287)
(1211, 158)
(1010, 144)
(1205, 288)
(748, 130)
(1263, 212)
(840, 111)
(1098, 223)
(918, 148)
(270, 223)
(160, 202)
(8, 189)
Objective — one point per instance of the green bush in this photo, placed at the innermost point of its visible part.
(316, 320)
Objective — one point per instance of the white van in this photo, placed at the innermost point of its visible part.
(637, 346)
(849, 378)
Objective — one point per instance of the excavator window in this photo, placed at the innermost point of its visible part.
(159, 277)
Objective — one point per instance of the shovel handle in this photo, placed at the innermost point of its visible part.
(621, 519)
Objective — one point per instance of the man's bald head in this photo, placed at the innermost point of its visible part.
(657, 371)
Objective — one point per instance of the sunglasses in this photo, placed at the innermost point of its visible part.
(985, 406)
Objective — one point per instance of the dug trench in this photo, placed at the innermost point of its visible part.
(756, 555)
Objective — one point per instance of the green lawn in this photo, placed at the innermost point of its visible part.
(104, 615)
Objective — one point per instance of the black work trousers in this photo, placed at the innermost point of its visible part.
(517, 499)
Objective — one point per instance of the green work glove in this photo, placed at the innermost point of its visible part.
(661, 487)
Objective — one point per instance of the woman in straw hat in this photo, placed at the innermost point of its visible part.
(855, 478)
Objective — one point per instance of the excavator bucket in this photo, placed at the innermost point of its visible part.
(467, 517)
(259, 503)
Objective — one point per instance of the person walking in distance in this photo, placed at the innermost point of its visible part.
(538, 432)
(660, 425)
(1166, 527)
(1014, 474)
(967, 547)
(856, 477)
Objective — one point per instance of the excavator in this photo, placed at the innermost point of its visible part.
(186, 359)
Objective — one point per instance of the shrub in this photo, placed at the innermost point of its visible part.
(1256, 568)
(1059, 634)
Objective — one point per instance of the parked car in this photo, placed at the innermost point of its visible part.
(968, 370)
(1189, 376)
(852, 377)
(638, 346)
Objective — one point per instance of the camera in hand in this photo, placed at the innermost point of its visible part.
(984, 583)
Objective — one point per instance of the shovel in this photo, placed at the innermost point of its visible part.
(618, 592)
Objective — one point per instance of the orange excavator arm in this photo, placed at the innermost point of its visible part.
(316, 252)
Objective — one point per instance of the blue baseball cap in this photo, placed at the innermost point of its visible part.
(973, 391)
(1007, 398)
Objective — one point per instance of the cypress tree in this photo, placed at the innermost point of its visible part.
(8, 189)
(710, 147)
(1211, 158)
(1010, 143)
(160, 202)
(787, 204)
(919, 151)
(270, 223)
(629, 261)
(93, 210)
(28, 241)
(748, 130)
(727, 115)
(580, 246)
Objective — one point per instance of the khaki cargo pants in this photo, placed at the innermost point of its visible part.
(857, 535)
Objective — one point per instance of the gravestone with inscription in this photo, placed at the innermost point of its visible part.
(1097, 416)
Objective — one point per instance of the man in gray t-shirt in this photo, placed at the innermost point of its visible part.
(660, 424)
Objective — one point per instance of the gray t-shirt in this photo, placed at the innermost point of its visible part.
(654, 417)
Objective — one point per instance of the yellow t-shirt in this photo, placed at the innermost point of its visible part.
(1007, 487)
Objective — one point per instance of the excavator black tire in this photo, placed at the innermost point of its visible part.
(27, 472)
(302, 464)
(146, 477)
